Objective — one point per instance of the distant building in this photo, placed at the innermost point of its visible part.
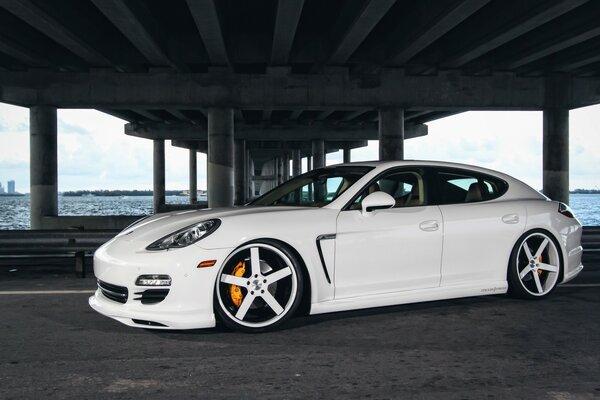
(1, 188)
(11, 187)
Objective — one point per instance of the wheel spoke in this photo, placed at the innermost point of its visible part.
(527, 251)
(254, 261)
(538, 284)
(241, 312)
(541, 248)
(272, 302)
(233, 280)
(548, 267)
(524, 272)
(277, 275)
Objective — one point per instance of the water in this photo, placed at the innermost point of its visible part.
(14, 211)
(586, 207)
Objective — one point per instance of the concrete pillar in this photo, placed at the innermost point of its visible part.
(286, 167)
(240, 172)
(158, 199)
(193, 177)
(296, 163)
(318, 153)
(43, 172)
(280, 170)
(556, 154)
(220, 157)
(391, 134)
(249, 176)
(308, 163)
(347, 157)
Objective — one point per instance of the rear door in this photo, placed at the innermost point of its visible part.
(480, 230)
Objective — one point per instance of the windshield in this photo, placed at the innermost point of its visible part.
(313, 189)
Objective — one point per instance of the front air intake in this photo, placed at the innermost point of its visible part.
(147, 323)
(113, 292)
(151, 296)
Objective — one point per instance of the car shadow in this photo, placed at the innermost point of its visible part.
(440, 307)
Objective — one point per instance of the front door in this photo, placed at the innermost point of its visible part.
(389, 250)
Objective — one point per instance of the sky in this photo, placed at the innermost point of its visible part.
(94, 153)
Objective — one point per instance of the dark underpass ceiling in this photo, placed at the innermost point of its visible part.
(477, 37)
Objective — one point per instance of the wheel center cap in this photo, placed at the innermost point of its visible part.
(257, 284)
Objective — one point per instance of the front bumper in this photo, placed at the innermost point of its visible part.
(189, 303)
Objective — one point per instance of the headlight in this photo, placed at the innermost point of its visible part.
(186, 236)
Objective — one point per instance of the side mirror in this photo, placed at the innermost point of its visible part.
(377, 201)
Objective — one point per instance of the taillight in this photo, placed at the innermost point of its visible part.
(565, 210)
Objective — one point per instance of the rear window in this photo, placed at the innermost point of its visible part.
(457, 186)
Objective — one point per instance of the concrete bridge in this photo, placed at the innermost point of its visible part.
(271, 81)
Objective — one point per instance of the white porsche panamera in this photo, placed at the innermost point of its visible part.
(343, 237)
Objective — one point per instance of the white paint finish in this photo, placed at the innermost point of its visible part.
(387, 251)
(384, 257)
(477, 242)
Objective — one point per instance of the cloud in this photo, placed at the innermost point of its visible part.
(65, 127)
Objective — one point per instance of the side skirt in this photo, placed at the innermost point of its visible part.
(411, 296)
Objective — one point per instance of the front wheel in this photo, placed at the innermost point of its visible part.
(258, 287)
(535, 265)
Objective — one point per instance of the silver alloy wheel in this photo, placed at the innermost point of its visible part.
(269, 286)
(538, 264)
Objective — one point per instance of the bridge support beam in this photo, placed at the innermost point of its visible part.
(193, 176)
(296, 163)
(286, 167)
(347, 157)
(556, 154)
(220, 157)
(240, 167)
(318, 153)
(43, 164)
(391, 134)
(158, 166)
(249, 175)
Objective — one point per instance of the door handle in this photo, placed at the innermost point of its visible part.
(429, 226)
(510, 219)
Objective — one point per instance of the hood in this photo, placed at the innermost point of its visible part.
(154, 227)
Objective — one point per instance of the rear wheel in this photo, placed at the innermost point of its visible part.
(535, 265)
(258, 287)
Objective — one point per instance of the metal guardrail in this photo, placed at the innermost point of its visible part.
(53, 243)
(590, 241)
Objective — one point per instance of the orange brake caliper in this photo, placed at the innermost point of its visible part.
(539, 271)
(235, 292)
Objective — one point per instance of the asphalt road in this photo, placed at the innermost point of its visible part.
(55, 346)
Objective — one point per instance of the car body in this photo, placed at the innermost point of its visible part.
(344, 237)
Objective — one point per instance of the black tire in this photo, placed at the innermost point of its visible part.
(535, 265)
(258, 300)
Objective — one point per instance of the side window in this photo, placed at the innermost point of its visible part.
(466, 187)
(406, 187)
